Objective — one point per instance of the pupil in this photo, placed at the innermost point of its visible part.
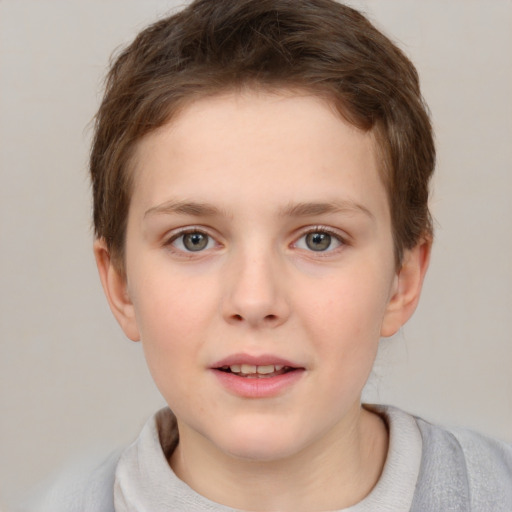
(195, 241)
(318, 241)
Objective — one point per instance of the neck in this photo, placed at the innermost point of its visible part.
(335, 472)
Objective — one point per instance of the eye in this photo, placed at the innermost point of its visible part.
(319, 241)
(192, 241)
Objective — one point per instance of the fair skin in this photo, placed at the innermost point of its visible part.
(259, 234)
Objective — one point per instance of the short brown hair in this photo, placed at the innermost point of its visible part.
(212, 46)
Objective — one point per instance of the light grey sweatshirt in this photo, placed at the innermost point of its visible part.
(428, 469)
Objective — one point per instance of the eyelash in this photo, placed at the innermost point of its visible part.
(336, 236)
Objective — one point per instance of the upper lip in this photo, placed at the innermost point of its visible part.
(261, 360)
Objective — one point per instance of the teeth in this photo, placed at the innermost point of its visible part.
(266, 369)
(248, 369)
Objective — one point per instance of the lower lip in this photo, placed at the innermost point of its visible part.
(258, 387)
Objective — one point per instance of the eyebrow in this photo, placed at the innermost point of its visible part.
(184, 208)
(304, 209)
(312, 209)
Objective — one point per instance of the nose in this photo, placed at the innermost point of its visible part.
(255, 293)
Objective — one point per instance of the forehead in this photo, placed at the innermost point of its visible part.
(284, 144)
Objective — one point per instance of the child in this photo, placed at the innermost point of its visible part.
(260, 173)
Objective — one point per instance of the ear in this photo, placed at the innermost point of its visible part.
(407, 288)
(115, 287)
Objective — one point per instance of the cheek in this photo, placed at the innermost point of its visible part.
(172, 316)
(169, 305)
(346, 317)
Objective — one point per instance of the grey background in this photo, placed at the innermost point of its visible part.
(71, 387)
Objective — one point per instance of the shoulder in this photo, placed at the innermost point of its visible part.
(85, 488)
(466, 467)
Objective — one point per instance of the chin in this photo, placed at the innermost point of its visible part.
(262, 443)
(262, 453)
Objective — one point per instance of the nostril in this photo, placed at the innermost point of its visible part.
(268, 320)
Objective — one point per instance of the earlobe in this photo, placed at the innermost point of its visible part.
(407, 288)
(115, 287)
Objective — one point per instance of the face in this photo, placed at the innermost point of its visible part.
(260, 271)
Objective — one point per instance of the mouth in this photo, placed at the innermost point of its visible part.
(263, 376)
(251, 371)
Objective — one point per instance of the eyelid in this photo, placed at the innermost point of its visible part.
(324, 229)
